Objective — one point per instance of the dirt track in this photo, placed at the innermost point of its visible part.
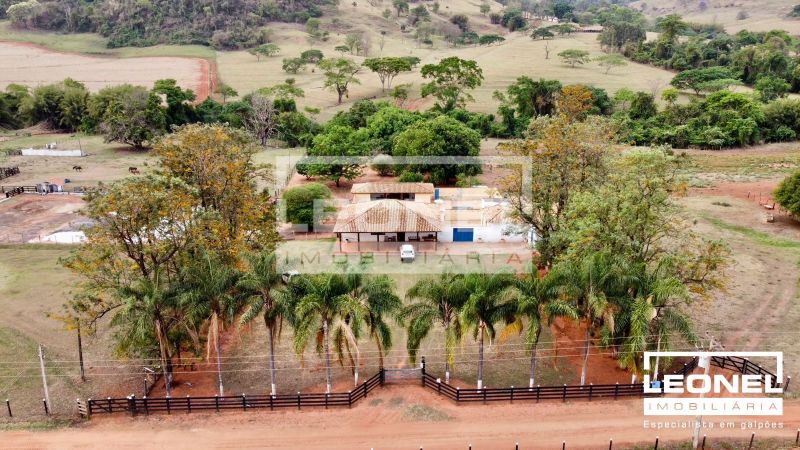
(383, 422)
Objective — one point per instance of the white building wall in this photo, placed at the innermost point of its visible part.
(49, 152)
(488, 233)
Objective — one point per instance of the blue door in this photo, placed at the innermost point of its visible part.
(463, 234)
(436, 194)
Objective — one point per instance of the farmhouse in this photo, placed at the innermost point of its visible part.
(423, 214)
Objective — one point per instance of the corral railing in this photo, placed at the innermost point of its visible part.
(510, 394)
(31, 189)
(148, 405)
(735, 363)
(6, 172)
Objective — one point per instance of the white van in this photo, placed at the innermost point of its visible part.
(407, 253)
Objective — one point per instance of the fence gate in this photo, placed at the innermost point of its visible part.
(83, 410)
(402, 374)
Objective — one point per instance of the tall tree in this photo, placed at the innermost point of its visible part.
(258, 285)
(450, 81)
(486, 307)
(651, 317)
(209, 298)
(445, 139)
(149, 312)
(217, 161)
(261, 118)
(437, 301)
(136, 118)
(338, 149)
(539, 300)
(339, 74)
(144, 227)
(378, 298)
(564, 158)
(327, 311)
(574, 56)
(387, 68)
(592, 283)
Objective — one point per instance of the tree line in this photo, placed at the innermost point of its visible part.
(137, 116)
(719, 119)
(224, 25)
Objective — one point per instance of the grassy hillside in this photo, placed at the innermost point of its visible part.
(94, 44)
(501, 65)
(762, 15)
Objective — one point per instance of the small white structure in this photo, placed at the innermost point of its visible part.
(51, 150)
(64, 237)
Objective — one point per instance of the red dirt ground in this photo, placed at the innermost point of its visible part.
(384, 421)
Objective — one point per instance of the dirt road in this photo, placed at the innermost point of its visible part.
(396, 417)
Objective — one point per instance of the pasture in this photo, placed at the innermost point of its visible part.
(502, 64)
(33, 66)
(759, 15)
(104, 161)
(94, 44)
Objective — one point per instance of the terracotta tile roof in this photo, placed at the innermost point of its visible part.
(388, 216)
(392, 188)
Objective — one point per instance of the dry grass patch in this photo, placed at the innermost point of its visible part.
(501, 64)
(32, 65)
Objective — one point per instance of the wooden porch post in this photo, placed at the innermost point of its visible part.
(378, 237)
(435, 239)
(359, 242)
(339, 235)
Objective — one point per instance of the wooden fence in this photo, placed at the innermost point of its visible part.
(32, 190)
(6, 172)
(145, 405)
(510, 394)
(737, 364)
(148, 405)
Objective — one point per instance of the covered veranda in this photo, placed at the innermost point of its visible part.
(384, 225)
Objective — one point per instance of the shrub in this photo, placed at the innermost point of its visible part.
(300, 204)
(788, 194)
(382, 164)
(411, 177)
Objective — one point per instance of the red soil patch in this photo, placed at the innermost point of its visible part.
(753, 190)
(602, 367)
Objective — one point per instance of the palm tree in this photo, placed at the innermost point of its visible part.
(539, 300)
(328, 309)
(148, 314)
(651, 310)
(485, 308)
(378, 298)
(438, 302)
(593, 283)
(209, 297)
(258, 284)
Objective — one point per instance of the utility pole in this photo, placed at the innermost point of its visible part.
(44, 378)
(80, 352)
(705, 363)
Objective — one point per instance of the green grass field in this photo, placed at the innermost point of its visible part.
(94, 44)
